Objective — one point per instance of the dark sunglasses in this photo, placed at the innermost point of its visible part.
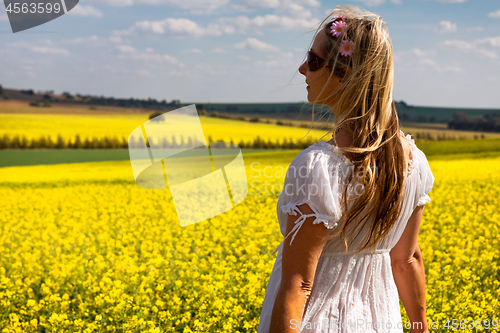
(314, 62)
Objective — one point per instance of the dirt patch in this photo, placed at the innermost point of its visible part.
(23, 107)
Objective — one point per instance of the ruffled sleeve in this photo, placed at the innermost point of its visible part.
(315, 177)
(426, 180)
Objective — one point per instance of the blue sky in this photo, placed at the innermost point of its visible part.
(447, 52)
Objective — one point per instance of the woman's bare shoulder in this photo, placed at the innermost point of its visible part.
(344, 139)
(406, 147)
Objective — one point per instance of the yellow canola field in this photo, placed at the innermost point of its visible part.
(88, 126)
(83, 249)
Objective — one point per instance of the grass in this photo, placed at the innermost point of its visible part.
(434, 150)
(454, 147)
(24, 157)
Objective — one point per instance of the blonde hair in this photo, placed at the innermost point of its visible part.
(366, 98)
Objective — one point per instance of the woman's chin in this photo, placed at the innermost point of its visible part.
(309, 97)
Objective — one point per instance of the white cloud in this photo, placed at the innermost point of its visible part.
(433, 65)
(115, 3)
(446, 27)
(217, 50)
(475, 29)
(470, 48)
(494, 14)
(181, 27)
(85, 11)
(45, 46)
(93, 41)
(287, 55)
(250, 5)
(129, 52)
(126, 49)
(371, 3)
(115, 39)
(194, 6)
(451, 1)
(292, 8)
(492, 41)
(209, 69)
(425, 60)
(50, 50)
(274, 64)
(169, 26)
(269, 64)
(269, 22)
(83, 40)
(417, 52)
(243, 57)
(286, 61)
(255, 44)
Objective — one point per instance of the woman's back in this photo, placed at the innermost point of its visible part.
(362, 233)
(357, 290)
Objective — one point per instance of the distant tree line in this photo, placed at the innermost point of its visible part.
(149, 103)
(66, 97)
(486, 123)
(46, 142)
(420, 118)
(254, 109)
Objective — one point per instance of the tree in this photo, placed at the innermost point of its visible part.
(460, 121)
(460, 117)
(60, 142)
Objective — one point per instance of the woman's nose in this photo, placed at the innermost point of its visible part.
(302, 68)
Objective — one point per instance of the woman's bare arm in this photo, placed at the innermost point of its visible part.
(409, 272)
(298, 268)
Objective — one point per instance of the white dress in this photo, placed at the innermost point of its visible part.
(351, 292)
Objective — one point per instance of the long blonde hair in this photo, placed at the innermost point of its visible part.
(366, 98)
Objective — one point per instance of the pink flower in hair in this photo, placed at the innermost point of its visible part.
(346, 48)
(337, 28)
(337, 17)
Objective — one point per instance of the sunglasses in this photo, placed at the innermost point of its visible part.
(314, 62)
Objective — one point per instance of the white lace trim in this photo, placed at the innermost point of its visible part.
(350, 253)
(425, 199)
(413, 148)
(334, 149)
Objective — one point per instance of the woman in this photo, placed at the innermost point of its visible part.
(350, 209)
